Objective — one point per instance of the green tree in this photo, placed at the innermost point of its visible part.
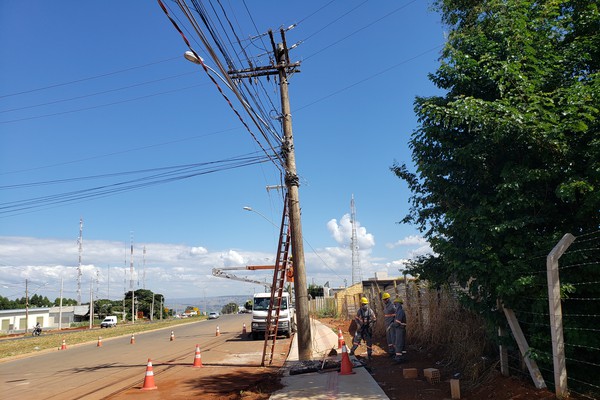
(315, 290)
(508, 159)
(231, 308)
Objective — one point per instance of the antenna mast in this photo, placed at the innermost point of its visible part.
(356, 273)
(131, 264)
(79, 273)
(144, 269)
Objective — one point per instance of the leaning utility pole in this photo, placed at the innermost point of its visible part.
(282, 67)
(292, 182)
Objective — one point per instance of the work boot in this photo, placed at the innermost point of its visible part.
(352, 350)
(398, 359)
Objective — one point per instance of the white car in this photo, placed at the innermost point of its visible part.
(213, 315)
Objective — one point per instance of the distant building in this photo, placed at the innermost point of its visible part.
(18, 320)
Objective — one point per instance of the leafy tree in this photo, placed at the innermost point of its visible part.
(231, 308)
(315, 290)
(508, 159)
(65, 302)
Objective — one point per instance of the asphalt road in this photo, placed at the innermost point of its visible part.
(87, 371)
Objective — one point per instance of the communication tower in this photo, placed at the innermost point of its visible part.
(79, 273)
(356, 273)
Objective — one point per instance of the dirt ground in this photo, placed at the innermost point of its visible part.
(255, 383)
(389, 376)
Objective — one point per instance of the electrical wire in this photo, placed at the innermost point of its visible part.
(87, 79)
(159, 176)
(186, 11)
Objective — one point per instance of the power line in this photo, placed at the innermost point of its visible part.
(86, 79)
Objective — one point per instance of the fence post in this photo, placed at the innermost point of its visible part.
(556, 323)
(534, 371)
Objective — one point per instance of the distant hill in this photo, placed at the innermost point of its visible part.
(207, 304)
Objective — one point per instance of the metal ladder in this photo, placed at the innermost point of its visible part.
(279, 277)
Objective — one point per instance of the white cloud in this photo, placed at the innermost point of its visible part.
(342, 233)
(412, 240)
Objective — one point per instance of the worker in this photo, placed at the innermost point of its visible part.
(389, 313)
(365, 320)
(399, 331)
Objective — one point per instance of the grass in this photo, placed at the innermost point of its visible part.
(53, 339)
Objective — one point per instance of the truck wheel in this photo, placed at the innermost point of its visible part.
(254, 335)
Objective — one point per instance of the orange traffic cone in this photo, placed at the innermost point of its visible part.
(132, 341)
(340, 338)
(149, 378)
(244, 330)
(99, 341)
(64, 345)
(218, 333)
(172, 336)
(346, 366)
(198, 358)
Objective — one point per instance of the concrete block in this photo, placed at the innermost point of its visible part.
(410, 373)
(432, 375)
(455, 389)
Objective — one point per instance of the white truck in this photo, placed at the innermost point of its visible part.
(260, 309)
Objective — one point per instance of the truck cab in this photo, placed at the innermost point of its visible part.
(260, 309)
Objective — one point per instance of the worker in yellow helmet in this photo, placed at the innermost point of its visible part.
(399, 326)
(365, 320)
(389, 312)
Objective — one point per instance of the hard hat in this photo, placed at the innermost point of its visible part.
(398, 300)
(385, 296)
(364, 300)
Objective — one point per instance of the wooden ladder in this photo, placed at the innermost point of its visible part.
(279, 276)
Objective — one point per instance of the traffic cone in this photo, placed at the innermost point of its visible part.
(340, 338)
(244, 330)
(132, 341)
(198, 358)
(172, 336)
(218, 333)
(64, 345)
(149, 378)
(346, 366)
(99, 341)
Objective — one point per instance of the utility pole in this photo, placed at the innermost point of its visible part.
(26, 307)
(292, 182)
(282, 67)
(131, 282)
(60, 306)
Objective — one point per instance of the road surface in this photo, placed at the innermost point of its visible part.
(87, 371)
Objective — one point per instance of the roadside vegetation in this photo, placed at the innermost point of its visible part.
(11, 346)
(507, 162)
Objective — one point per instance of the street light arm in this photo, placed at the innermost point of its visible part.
(265, 218)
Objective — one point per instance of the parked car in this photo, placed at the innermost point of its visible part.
(213, 315)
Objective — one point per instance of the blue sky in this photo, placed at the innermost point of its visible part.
(91, 89)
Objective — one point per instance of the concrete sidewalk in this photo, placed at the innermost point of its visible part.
(326, 385)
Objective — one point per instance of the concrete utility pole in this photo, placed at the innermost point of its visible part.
(26, 307)
(282, 67)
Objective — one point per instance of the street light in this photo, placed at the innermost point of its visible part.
(265, 218)
(200, 61)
